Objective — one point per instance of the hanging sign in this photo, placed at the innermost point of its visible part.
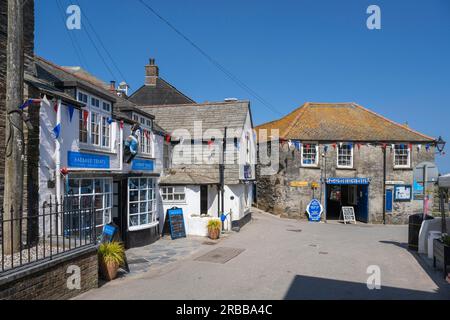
(142, 165)
(346, 181)
(314, 210)
(348, 214)
(299, 184)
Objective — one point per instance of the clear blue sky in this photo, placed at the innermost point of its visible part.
(288, 51)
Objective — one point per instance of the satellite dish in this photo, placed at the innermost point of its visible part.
(432, 172)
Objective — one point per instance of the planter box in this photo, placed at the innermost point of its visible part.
(441, 253)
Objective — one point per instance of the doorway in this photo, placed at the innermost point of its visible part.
(203, 200)
(354, 195)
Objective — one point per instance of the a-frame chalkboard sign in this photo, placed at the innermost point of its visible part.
(348, 213)
(176, 223)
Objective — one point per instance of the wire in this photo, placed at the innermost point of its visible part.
(102, 44)
(212, 60)
(73, 40)
(99, 53)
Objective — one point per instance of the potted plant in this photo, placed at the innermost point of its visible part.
(111, 256)
(441, 252)
(214, 227)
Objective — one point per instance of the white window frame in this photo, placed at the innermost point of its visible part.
(165, 194)
(150, 201)
(103, 116)
(107, 200)
(146, 144)
(338, 155)
(401, 166)
(316, 163)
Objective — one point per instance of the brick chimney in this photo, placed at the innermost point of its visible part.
(151, 73)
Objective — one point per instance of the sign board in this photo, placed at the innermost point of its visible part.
(402, 193)
(142, 165)
(314, 210)
(299, 184)
(347, 181)
(315, 185)
(176, 223)
(432, 172)
(87, 160)
(417, 190)
(348, 213)
(391, 183)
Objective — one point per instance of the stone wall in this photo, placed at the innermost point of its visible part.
(49, 281)
(275, 194)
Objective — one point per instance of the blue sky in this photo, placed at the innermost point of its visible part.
(288, 51)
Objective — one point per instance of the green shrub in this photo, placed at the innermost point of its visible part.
(214, 224)
(446, 239)
(113, 252)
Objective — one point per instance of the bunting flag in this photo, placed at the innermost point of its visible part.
(384, 145)
(298, 145)
(110, 120)
(359, 146)
(168, 138)
(45, 100)
(28, 103)
(85, 117)
(419, 147)
(121, 124)
(210, 144)
(55, 106)
(427, 147)
(392, 146)
(410, 146)
(71, 111)
(57, 131)
(290, 144)
(146, 134)
(340, 144)
(334, 146)
(325, 148)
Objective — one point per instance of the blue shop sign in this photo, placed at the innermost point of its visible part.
(142, 165)
(87, 160)
(346, 181)
(314, 210)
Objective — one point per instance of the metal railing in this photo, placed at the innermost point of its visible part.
(57, 229)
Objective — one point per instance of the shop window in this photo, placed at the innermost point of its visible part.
(91, 193)
(353, 195)
(141, 203)
(173, 194)
(402, 156)
(345, 156)
(309, 154)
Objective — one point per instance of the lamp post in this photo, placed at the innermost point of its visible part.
(440, 144)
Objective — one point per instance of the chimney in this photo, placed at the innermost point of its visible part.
(151, 73)
(112, 86)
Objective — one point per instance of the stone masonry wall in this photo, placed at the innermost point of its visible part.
(275, 195)
(50, 282)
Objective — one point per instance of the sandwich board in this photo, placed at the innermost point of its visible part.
(348, 213)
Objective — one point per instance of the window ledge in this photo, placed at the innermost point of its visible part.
(147, 226)
(310, 167)
(97, 149)
(403, 168)
(346, 169)
(145, 156)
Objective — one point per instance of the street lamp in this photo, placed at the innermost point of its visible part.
(440, 144)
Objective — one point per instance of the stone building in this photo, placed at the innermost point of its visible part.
(344, 155)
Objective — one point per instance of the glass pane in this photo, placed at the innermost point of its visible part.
(143, 219)
(107, 216)
(74, 186)
(143, 207)
(182, 197)
(107, 186)
(134, 184)
(170, 197)
(98, 186)
(143, 195)
(134, 196)
(143, 183)
(86, 187)
(134, 208)
(99, 217)
(107, 201)
(176, 197)
(86, 202)
(98, 204)
(134, 220)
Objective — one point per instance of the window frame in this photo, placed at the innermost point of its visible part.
(151, 188)
(164, 193)
(146, 144)
(310, 165)
(338, 155)
(401, 166)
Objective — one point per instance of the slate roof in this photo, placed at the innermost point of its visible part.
(214, 115)
(193, 174)
(62, 77)
(341, 122)
(161, 94)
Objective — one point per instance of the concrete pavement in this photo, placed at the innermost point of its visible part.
(288, 259)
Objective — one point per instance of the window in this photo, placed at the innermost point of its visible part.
(173, 194)
(95, 126)
(345, 156)
(247, 146)
(141, 203)
(83, 135)
(88, 193)
(95, 102)
(106, 133)
(95, 129)
(135, 118)
(145, 137)
(402, 156)
(309, 154)
(166, 156)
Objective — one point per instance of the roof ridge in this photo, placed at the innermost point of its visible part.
(194, 104)
(392, 122)
(173, 87)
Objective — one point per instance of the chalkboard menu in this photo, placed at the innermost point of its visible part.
(349, 215)
(176, 222)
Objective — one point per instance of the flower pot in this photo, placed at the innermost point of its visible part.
(213, 234)
(108, 270)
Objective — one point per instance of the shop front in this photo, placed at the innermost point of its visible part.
(347, 192)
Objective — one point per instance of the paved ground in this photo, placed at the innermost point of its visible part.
(284, 259)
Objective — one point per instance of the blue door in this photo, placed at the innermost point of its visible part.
(388, 200)
(363, 204)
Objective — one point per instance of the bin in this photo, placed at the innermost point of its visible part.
(415, 223)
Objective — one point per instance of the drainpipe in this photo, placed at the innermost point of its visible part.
(384, 185)
(58, 156)
(222, 174)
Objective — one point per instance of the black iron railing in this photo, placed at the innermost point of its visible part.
(57, 229)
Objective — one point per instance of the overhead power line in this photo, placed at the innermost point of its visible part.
(213, 61)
